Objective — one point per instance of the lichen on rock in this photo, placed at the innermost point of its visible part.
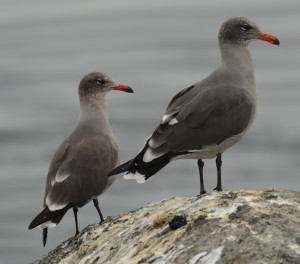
(247, 226)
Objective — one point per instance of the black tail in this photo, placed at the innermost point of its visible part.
(147, 169)
(48, 215)
(120, 169)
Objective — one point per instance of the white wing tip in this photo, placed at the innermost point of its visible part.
(173, 121)
(60, 177)
(53, 206)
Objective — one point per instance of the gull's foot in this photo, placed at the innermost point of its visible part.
(218, 188)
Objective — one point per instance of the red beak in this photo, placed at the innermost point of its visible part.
(269, 38)
(123, 88)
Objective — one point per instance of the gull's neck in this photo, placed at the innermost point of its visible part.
(93, 114)
(237, 61)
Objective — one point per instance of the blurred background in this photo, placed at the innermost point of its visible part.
(158, 48)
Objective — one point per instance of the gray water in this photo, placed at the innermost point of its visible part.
(158, 48)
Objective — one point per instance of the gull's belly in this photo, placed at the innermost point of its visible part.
(211, 151)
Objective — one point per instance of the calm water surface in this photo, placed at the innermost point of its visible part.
(158, 48)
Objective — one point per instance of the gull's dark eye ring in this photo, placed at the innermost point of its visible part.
(245, 27)
(100, 81)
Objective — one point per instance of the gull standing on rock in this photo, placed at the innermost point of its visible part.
(205, 119)
(78, 171)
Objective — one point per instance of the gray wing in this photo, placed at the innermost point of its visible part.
(204, 117)
(78, 171)
(59, 157)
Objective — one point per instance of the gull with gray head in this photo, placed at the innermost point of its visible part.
(205, 119)
(79, 167)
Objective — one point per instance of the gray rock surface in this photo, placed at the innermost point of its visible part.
(247, 226)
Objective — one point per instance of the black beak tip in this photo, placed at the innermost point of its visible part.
(276, 42)
(129, 90)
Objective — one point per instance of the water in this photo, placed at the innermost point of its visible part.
(158, 48)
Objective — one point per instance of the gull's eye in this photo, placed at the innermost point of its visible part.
(245, 27)
(101, 81)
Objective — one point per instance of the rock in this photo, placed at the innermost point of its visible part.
(248, 226)
(178, 220)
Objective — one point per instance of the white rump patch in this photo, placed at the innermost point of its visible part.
(140, 178)
(150, 155)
